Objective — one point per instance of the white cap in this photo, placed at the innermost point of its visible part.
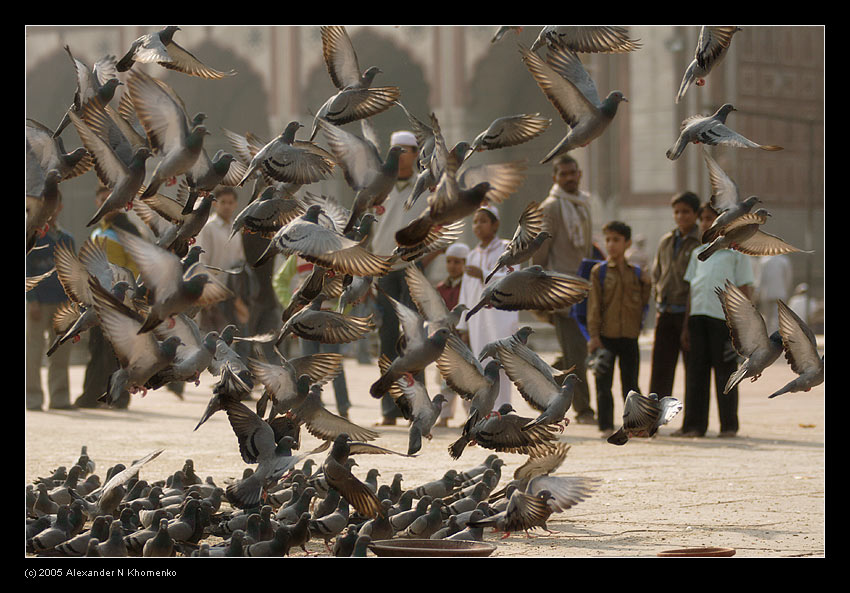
(403, 138)
(491, 209)
(458, 250)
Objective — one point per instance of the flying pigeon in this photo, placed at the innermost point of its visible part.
(569, 87)
(521, 335)
(124, 179)
(725, 200)
(509, 130)
(528, 237)
(533, 288)
(207, 175)
(320, 422)
(44, 153)
(284, 160)
(171, 289)
(801, 352)
(340, 478)
(421, 346)
(749, 335)
(745, 235)
(502, 431)
(324, 247)
(712, 45)
(258, 444)
(168, 127)
(325, 326)
(365, 172)
(41, 209)
(268, 214)
(160, 48)
(712, 130)
(643, 415)
(96, 84)
(586, 39)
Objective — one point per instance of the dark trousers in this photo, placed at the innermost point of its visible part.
(102, 363)
(625, 351)
(710, 349)
(665, 353)
(395, 285)
(574, 350)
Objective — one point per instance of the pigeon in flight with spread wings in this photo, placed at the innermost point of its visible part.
(749, 335)
(801, 352)
(572, 91)
(160, 48)
(712, 130)
(712, 46)
(587, 39)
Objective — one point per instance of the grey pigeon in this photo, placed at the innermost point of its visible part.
(569, 87)
(712, 130)
(257, 444)
(370, 176)
(509, 130)
(325, 326)
(339, 477)
(54, 535)
(537, 381)
(124, 179)
(341, 59)
(285, 161)
(411, 396)
(322, 423)
(172, 290)
(355, 291)
(749, 335)
(712, 46)
(161, 545)
(472, 381)
(502, 431)
(160, 48)
(556, 408)
(96, 84)
(744, 234)
(44, 153)
(40, 210)
(78, 545)
(586, 39)
(801, 352)
(140, 355)
(168, 127)
(460, 193)
(402, 520)
(527, 239)
(331, 525)
(324, 247)
(521, 335)
(281, 380)
(533, 288)
(207, 175)
(421, 347)
(524, 512)
(725, 200)
(275, 547)
(266, 215)
(114, 546)
(438, 488)
(643, 415)
(194, 355)
(429, 302)
(425, 525)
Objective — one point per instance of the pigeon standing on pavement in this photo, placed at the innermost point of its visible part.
(569, 87)
(712, 46)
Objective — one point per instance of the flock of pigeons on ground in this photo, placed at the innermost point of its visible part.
(149, 319)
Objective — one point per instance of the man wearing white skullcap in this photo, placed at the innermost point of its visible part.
(383, 243)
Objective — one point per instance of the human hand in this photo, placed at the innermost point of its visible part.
(594, 344)
(474, 271)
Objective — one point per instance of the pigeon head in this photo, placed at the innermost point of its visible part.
(169, 345)
(440, 336)
(751, 201)
(724, 110)
(210, 341)
(285, 445)
(492, 368)
(542, 236)
(194, 286)
(167, 33)
(288, 135)
(611, 102)
(222, 161)
(460, 149)
(523, 333)
(142, 154)
(196, 136)
(312, 214)
(107, 91)
(505, 409)
(369, 75)
(303, 384)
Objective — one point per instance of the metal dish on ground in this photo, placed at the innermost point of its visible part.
(701, 552)
(430, 547)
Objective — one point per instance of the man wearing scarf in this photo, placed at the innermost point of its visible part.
(567, 214)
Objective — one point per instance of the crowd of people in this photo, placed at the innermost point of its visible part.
(593, 336)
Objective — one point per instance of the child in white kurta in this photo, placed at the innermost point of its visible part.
(486, 325)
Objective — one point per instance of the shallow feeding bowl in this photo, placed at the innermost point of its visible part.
(430, 547)
(698, 552)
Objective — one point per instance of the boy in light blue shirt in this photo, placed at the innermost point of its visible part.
(705, 335)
